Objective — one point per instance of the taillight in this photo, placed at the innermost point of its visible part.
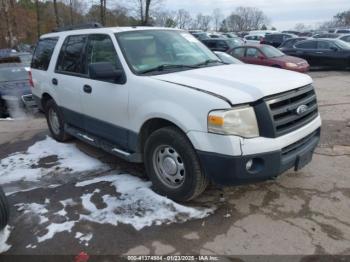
(31, 79)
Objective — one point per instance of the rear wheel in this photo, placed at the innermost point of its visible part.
(173, 166)
(4, 210)
(55, 121)
(3, 109)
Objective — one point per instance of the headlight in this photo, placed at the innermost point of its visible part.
(240, 121)
(291, 65)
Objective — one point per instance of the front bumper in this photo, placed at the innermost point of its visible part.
(231, 170)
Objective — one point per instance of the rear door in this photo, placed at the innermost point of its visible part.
(68, 77)
(307, 50)
(105, 105)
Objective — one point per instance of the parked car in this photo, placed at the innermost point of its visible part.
(276, 39)
(345, 38)
(160, 97)
(226, 58)
(293, 32)
(4, 210)
(269, 56)
(291, 42)
(14, 88)
(25, 58)
(230, 35)
(222, 44)
(327, 35)
(322, 52)
(201, 35)
(342, 31)
(253, 39)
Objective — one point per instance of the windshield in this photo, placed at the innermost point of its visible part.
(270, 51)
(13, 74)
(145, 50)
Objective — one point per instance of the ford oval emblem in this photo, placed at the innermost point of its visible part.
(302, 109)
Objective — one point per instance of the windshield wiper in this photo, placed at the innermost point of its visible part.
(165, 67)
(208, 62)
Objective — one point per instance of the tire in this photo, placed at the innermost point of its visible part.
(3, 109)
(55, 121)
(165, 148)
(4, 210)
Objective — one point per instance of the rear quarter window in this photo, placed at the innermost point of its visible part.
(43, 53)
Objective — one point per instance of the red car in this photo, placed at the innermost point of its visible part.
(269, 56)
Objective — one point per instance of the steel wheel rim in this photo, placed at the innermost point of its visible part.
(54, 122)
(169, 166)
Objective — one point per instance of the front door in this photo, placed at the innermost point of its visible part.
(105, 102)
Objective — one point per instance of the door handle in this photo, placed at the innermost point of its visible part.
(54, 81)
(87, 89)
(319, 52)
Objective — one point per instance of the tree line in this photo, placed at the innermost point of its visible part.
(23, 21)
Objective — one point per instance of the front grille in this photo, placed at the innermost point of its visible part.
(283, 109)
(291, 149)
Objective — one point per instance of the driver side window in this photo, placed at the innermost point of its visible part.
(252, 52)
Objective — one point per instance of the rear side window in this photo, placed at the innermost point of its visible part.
(238, 52)
(307, 45)
(71, 55)
(43, 53)
(252, 52)
(324, 45)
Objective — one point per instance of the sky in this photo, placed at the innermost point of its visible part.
(284, 14)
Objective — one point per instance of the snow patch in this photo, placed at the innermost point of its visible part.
(84, 238)
(137, 205)
(4, 235)
(26, 166)
(39, 210)
(56, 228)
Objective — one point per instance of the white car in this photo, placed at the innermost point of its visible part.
(160, 97)
(253, 38)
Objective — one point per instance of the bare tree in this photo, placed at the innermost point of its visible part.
(144, 9)
(183, 19)
(217, 18)
(57, 20)
(202, 22)
(5, 8)
(165, 19)
(37, 9)
(246, 18)
(103, 7)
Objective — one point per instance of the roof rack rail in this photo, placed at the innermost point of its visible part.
(78, 26)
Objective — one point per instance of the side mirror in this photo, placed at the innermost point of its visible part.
(105, 71)
(334, 49)
(261, 57)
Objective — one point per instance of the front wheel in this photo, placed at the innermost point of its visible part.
(173, 166)
(4, 210)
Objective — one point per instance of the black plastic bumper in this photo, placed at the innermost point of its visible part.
(232, 170)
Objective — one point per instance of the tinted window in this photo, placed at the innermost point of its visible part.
(307, 45)
(43, 53)
(252, 52)
(70, 58)
(222, 44)
(324, 45)
(100, 48)
(238, 52)
(343, 31)
(346, 38)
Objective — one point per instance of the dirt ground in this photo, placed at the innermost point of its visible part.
(303, 213)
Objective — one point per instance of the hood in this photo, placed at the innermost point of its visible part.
(239, 83)
(290, 59)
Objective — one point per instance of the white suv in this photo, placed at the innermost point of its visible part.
(159, 96)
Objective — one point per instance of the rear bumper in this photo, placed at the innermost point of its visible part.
(231, 170)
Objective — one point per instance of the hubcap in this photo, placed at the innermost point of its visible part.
(54, 122)
(169, 166)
